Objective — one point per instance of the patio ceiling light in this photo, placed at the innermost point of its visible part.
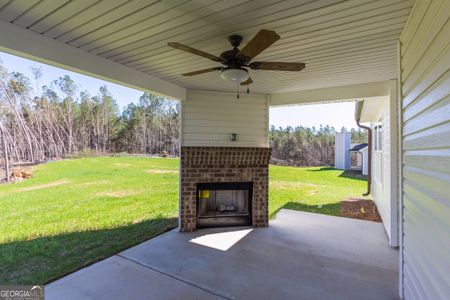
(236, 75)
(235, 61)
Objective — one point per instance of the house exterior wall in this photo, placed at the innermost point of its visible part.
(208, 119)
(384, 189)
(425, 112)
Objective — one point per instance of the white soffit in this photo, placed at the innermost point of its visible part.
(33, 46)
(332, 94)
(372, 109)
(341, 42)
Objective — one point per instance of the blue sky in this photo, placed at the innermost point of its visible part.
(334, 114)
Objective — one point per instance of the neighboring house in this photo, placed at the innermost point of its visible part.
(342, 145)
(364, 154)
(348, 156)
(359, 154)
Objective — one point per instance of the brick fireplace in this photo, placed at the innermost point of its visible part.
(240, 166)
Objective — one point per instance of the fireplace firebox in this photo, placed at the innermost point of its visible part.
(224, 204)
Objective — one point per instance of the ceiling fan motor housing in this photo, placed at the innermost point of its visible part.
(235, 40)
(231, 57)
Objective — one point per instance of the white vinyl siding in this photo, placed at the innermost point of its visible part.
(384, 182)
(208, 119)
(425, 111)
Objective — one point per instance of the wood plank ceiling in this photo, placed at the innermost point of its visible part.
(341, 42)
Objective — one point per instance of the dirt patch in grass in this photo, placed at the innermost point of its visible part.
(44, 186)
(119, 194)
(121, 165)
(96, 182)
(155, 171)
(16, 174)
(363, 209)
(291, 184)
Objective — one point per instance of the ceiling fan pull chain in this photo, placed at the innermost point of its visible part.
(237, 90)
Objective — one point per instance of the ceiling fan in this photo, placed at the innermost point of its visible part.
(237, 61)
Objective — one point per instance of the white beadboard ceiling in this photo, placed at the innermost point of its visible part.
(341, 42)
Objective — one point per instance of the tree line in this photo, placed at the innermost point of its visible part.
(304, 146)
(58, 120)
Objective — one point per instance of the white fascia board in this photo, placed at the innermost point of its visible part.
(31, 45)
(332, 94)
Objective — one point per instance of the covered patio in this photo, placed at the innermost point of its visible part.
(398, 50)
(309, 256)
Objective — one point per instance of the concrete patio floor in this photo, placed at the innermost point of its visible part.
(300, 256)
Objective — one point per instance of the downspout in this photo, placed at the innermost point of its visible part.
(358, 110)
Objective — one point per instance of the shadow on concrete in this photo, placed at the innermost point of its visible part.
(44, 259)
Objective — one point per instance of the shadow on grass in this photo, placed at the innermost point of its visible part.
(353, 175)
(345, 174)
(332, 209)
(45, 259)
(323, 169)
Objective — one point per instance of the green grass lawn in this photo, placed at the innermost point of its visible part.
(313, 189)
(72, 213)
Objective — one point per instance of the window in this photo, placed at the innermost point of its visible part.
(378, 138)
(377, 161)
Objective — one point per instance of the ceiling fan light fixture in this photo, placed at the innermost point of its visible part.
(236, 62)
(236, 75)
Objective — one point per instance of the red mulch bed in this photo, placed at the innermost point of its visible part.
(363, 209)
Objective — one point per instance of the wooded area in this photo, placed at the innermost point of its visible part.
(57, 121)
(303, 146)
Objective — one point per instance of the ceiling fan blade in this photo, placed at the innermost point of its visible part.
(277, 66)
(247, 82)
(262, 40)
(203, 71)
(194, 51)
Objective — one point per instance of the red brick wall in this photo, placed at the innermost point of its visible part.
(224, 164)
